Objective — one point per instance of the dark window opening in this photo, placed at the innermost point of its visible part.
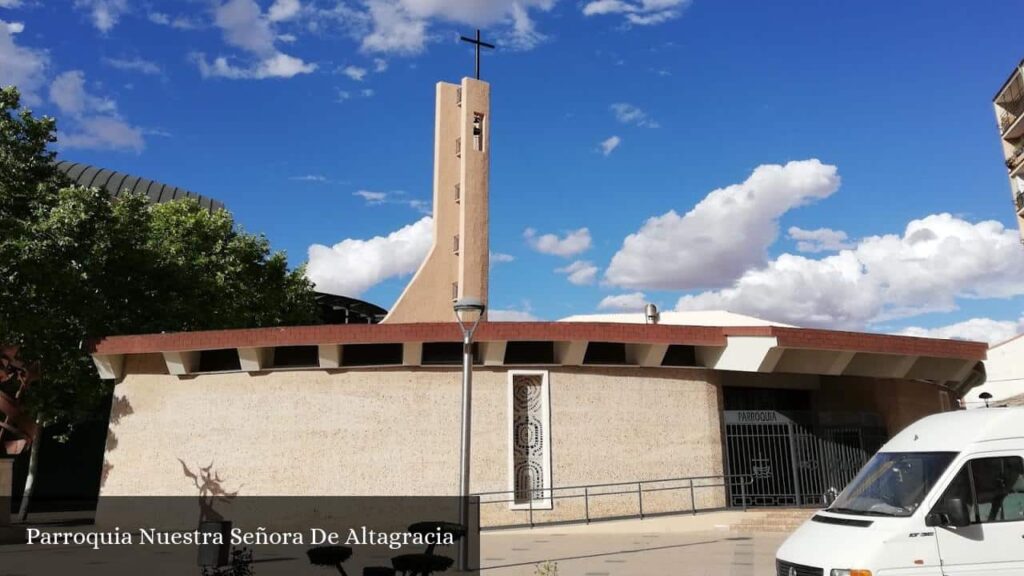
(530, 352)
(371, 354)
(478, 131)
(605, 353)
(223, 360)
(446, 353)
(680, 355)
(778, 399)
(296, 356)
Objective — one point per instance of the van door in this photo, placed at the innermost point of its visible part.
(989, 493)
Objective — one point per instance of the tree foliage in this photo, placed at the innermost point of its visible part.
(75, 265)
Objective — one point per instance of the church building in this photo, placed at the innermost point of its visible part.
(689, 410)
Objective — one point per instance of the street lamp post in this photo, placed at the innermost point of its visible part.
(468, 312)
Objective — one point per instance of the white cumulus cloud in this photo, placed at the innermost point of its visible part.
(631, 302)
(819, 240)
(574, 242)
(135, 64)
(178, 22)
(404, 27)
(353, 266)
(104, 14)
(638, 13)
(580, 272)
(20, 66)
(630, 114)
(371, 197)
(94, 121)
(504, 315)
(610, 144)
(354, 72)
(501, 258)
(932, 263)
(282, 10)
(104, 133)
(374, 198)
(279, 65)
(245, 26)
(976, 329)
(724, 235)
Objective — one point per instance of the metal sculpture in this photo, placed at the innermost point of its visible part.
(17, 429)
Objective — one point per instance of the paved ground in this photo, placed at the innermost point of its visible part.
(669, 546)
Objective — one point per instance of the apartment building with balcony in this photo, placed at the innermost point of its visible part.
(1009, 108)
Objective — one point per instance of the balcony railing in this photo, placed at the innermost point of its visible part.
(1015, 158)
(1011, 110)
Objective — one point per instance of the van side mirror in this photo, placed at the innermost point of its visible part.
(957, 511)
(954, 514)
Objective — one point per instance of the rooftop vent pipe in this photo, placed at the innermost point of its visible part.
(652, 314)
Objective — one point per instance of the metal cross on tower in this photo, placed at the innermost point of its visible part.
(478, 43)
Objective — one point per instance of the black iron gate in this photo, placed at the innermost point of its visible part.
(794, 459)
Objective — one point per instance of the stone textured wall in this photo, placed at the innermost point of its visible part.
(396, 431)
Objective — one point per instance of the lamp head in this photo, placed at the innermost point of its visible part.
(469, 305)
(469, 311)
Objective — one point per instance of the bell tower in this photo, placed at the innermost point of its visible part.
(458, 261)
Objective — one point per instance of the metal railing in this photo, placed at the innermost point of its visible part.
(1011, 110)
(1015, 158)
(610, 501)
(1006, 119)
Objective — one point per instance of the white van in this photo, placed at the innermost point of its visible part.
(945, 496)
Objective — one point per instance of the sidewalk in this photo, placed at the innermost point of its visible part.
(669, 545)
(684, 545)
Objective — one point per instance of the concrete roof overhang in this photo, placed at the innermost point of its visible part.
(764, 349)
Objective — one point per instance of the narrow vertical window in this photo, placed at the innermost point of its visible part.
(458, 96)
(455, 290)
(478, 131)
(455, 243)
(458, 193)
(530, 438)
(458, 147)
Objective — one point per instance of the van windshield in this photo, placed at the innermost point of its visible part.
(892, 483)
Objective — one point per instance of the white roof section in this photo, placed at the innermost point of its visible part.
(955, 431)
(685, 318)
(1005, 374)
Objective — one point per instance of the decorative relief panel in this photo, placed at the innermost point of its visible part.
(529, 450)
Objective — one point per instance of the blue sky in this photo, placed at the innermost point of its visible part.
(313, 120)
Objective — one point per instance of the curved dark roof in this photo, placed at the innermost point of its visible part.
(116, 183)
(336, 309)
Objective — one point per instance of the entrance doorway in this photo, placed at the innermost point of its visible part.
(792, 455)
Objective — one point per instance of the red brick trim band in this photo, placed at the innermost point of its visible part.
(799, 338)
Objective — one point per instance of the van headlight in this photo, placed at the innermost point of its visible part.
(850, 572)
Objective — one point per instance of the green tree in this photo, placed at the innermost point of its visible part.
(76, 265)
